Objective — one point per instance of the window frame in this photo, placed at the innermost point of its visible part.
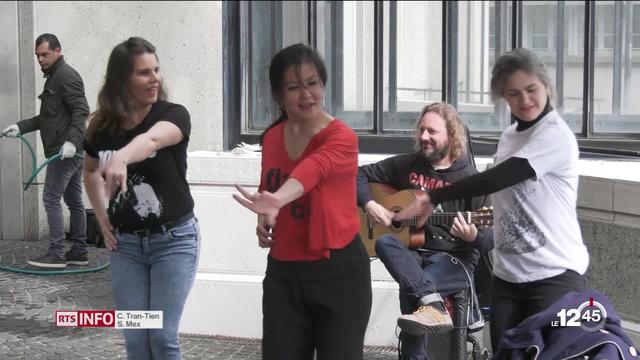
(377, 140)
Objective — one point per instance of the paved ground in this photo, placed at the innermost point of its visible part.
(28, 302)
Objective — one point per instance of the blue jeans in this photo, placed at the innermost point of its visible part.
(64, 180)
(155, 272)
(418, 274)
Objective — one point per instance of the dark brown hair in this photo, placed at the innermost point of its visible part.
(114, 105)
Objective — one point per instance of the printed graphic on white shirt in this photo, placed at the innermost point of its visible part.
(520, 233)
(536, 230)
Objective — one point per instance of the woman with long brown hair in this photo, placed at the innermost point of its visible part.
(135, 177)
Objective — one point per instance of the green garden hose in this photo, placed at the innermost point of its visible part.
(34, 173)
(36, 170)
(54, 272)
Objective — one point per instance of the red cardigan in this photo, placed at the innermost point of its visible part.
(326, 216)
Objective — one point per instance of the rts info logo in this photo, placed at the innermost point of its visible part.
(590, 316)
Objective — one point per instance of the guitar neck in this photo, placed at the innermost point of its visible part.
(447, 218)
(444, 218)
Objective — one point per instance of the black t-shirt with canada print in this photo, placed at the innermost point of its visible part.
(157, 188)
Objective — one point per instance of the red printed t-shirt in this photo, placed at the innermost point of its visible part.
(326, 216)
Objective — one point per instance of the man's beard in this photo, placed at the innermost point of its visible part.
(437, 154)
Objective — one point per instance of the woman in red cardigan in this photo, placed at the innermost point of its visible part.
(317, 287)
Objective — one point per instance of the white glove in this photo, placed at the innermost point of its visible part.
(11, 131)
(68, 150)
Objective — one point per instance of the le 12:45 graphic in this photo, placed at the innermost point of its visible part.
(590, 316)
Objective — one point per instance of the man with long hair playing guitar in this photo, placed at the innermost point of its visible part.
(451, 250)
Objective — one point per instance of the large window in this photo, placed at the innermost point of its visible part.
(410, 56)
(539, 25)
(605, 25)
(412, 49)
(563, 52)
(386, 60)
(350, 46)
(479, 39)
(266, 28)
(617, 70)
(636, 26)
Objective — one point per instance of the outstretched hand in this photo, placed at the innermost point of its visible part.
(115, 175)
(262, 203)
(379, 213)
(421, 208)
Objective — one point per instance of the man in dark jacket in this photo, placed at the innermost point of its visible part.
(444, 264)
(62, 122)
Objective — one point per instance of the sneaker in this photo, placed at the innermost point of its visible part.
(76, 258)
(426, 320)
(49, 261)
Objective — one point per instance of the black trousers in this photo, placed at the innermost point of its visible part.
(326, 315)
(511, 303)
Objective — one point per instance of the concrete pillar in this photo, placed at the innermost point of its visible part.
(19, 215)
(11, 204)
(28, 108)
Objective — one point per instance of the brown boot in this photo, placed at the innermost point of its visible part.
(426, 320)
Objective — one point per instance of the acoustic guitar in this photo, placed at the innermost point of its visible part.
(407, 231)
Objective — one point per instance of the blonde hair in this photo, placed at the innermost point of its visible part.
(455, 128)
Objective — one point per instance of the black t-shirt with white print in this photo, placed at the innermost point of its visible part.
(157, 188)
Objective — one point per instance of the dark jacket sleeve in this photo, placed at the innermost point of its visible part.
(29, 125)
(484, 239)
(383, 171)
(508, 173)
(76, 101)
